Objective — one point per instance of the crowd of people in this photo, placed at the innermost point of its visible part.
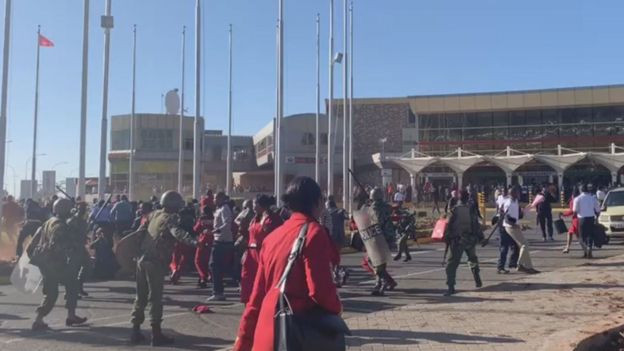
(252, 245)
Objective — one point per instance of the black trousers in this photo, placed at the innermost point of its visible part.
(586, 229)
(546, 220)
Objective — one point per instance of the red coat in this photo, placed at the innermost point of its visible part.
(570, 212)
(310, 282)
(258, 231)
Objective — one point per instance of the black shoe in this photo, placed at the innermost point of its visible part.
(390, 286)
(397, 257)
(377, 292)
(83, 293)
(137, 337)
(74, 321)
(202, 285)
(451, 291)
(477, 277)
(407, 258)
(39, 326)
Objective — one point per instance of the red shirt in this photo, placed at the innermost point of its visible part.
(309, 284)
(260, 228)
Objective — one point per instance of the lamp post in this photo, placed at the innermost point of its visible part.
(107, 24)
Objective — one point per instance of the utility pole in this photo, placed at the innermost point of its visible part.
(107, 24)
(83, 101)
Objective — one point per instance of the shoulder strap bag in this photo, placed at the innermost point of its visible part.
(313, 330)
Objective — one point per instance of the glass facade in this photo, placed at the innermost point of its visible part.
(531, 131)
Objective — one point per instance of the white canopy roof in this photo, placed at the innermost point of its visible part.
(560, 162)
(612, 161)
(509, 164)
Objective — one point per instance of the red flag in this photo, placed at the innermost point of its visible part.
(45, 42)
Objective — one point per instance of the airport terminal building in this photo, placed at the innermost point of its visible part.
(558, 136)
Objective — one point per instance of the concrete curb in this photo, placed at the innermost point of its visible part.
(586, 338)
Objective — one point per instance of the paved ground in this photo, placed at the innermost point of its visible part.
(417, 305)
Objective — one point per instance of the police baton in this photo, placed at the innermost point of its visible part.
(66, 194)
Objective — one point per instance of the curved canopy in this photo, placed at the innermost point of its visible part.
(461, 164)
(612, 161)
(509, 164)
(560, 162)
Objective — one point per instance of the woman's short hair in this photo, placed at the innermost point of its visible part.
(302, 195)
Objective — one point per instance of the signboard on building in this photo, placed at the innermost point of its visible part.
(48, 183)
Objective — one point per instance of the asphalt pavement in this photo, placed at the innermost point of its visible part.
(108, 307)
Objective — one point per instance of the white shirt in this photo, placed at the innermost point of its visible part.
(586, 205)
(600, 195)
(500, 199)
(399, 197)
(512, 208)
(223, 224)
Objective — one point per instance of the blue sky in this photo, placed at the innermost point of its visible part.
(403, 47)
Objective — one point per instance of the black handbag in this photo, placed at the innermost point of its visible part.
(310, 331)
(561, 226)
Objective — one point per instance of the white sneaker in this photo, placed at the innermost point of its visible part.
(215, 298)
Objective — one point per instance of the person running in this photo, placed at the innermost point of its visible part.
(203, 227)
(574, 229)
(586, 208)
(463, 232)
(543, 208)
(511, 216)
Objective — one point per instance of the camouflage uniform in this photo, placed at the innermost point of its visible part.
(79, 258)
(163, 233)
(57, 241)
(463, 233)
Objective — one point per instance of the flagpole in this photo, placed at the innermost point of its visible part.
(280, 105)
(196, 131)
(132, 117)
(345, 112)
(330, 115)
(33, 175)
(5, 85)
(351, 107)
(317, 158)
(228, 181)
(83, 102)
(107, 24)
(181, 131)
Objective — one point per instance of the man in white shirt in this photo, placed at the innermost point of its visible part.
(511, 215)
(222, 247)
(586, 207)
(601, 194)
(399, 197)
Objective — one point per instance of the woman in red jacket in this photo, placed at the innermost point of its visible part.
(203, 227)
(264, 222)
(573, 231)
(310, 282)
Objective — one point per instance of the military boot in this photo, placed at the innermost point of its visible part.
(136, 337)
(158, 338)
(477, 277)
(379, 288)
(450, 291)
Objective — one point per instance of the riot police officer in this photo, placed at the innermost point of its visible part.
(53, 252)
(163, 231)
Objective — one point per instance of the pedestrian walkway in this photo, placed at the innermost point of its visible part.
(519, 315)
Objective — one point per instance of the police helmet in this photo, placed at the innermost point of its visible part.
(62, 207)
(172, 201)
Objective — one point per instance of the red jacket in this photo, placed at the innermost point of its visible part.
(310, 282)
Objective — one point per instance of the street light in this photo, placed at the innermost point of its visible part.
(58, 164)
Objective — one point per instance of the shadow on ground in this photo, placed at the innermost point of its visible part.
(363, 337)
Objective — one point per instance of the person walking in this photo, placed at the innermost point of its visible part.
(506, 243)
(263, 223)
(463, 232)
(382, 213)
(53, 250)
(223, 246)
(586, 208)
(337, 234)
(543, 207)
(163, 232)
(511, 215)
(309, 285)
(204, 227)
(242, 222)
(182, 253)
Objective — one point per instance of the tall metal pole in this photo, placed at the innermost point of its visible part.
(196, 128)
(317, 154)
(330, 115)
(5, 87)
(83, 101)
(276, 121)
(228, 170)
(33, 174)
(351, 52)
(345, 109)
(280, 105)
(107, 24)
(181, 127)
(132, 118)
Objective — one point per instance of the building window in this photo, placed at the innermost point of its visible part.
(188, 144)
(157, 139)
(120, 139)
(307, 139)
(411, 118)
(218, 154)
